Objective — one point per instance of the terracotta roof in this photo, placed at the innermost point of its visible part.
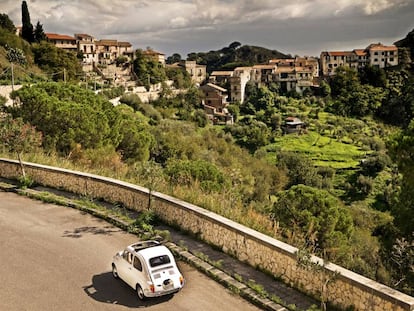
(107, 42)
(339, 53)
(360, 52)
(55, 36)
(383, 48)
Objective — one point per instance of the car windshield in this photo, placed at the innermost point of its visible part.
(159, 260)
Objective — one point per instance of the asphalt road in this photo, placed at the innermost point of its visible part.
(57, 258)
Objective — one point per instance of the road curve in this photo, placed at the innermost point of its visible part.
(57, 258)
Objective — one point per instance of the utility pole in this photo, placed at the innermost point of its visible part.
(64, 75)
(12, 76)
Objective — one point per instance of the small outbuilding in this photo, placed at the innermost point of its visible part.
(293, 125)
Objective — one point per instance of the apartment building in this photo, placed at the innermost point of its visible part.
(375, 54)
(109, 50)
(381, 55)
(86, 45)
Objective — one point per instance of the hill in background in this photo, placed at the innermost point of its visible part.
(235, 55)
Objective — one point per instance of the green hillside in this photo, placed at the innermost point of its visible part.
(235, 55)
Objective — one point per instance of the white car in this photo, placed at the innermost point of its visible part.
(149, 268)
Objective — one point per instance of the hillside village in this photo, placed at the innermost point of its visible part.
(111, 61)
(338, 186)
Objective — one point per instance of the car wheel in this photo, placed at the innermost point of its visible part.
(140, 292)
(115, 272)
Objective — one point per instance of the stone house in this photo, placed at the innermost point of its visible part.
(198, 73)
(215, 104)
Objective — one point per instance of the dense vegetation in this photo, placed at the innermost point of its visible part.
(341, 188)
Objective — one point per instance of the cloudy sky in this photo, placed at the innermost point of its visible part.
(297, 27)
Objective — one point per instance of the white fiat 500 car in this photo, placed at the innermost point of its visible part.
(149, 268)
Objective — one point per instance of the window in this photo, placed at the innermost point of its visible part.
(391, 52)
(391, 59)
(137, 264)
(127, 256)
(375, 53)
(159, 260)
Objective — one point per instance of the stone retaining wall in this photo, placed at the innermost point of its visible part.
(345, 288)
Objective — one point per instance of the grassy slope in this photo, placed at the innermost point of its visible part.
(324, 151)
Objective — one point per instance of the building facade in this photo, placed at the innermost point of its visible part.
(215, 104)
(375, 54)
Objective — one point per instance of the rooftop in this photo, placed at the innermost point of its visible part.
(55, 36)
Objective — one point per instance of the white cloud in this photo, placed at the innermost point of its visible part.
(158, 22)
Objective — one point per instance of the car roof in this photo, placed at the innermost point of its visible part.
(149, 249)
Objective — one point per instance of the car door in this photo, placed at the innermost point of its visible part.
(124, 267)
(138, 273)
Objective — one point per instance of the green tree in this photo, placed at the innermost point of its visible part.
(6, 23)
(373, 75)
(351, 98)
(68, 115)
(402, 151)
(27, 27)
(136, 139)
(60, 64)
(148, 70)
(175, 58)
(299, 168)
(252, 134)
(314, 217)
(39, 34)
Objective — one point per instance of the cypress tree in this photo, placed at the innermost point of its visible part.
(27, 27)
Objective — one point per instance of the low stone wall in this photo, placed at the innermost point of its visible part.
(335, 284)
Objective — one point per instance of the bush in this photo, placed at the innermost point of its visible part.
(186, 172)
(365, 184)
(375, 164)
